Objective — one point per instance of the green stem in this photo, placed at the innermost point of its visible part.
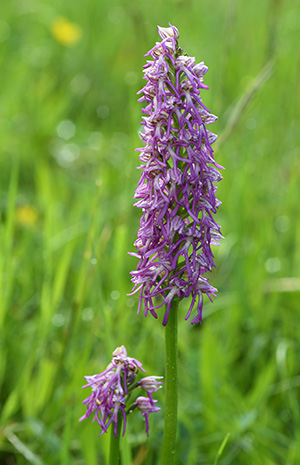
(114, 450)
(171, 389)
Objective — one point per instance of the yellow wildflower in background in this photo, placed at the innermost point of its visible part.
(65, 32)
(27, 215)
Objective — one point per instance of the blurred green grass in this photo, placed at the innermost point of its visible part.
(69, 125)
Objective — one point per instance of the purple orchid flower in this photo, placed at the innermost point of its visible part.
(176, 191)
(110, 391)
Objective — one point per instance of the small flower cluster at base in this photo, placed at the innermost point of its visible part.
(176, 191)
(112, 389)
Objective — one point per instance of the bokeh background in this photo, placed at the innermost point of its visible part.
(69, 122)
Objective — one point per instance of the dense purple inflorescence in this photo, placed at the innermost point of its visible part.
(111, 391)
(176, 191)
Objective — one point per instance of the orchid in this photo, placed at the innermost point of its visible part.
(112, 389)
(176, 191)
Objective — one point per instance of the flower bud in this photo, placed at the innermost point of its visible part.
(145, 406)
(151, 383)
(168, 32)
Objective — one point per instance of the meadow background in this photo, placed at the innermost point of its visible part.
(69, 122)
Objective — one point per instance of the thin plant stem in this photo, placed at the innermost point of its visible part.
(171, 388)
(114, 448)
